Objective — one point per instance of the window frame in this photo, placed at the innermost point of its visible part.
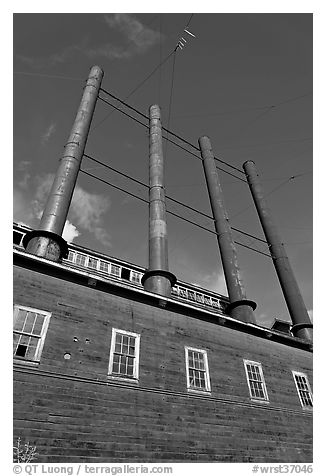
(135, 376)
(41, 338)
(207, 377)
(135, 276)
(301, 374)
(264, 387)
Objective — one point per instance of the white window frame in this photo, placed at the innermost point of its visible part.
(301, 374)
(207, 378)
(135, 375)
(119, 270)
(135, 276)
(264, 388)
(41, 338)
(81, 255)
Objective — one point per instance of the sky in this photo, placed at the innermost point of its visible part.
(245, 80)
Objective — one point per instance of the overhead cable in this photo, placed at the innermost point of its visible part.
(168, 139)
(166, 130)
(168, 211)
(168, 197)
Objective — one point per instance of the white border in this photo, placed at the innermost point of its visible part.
(44, 329)
(135, 375)
(259, 365)
(301, 374)
(207, 378)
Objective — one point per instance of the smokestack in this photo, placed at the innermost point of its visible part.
(157, 279)
(47, 241)
(240, 308)
(302, 326)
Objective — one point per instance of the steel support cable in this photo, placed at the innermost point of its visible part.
(170, 102)
(189, 20)
(167, 211)
(168, 139)
(168, 131)
(168, 197)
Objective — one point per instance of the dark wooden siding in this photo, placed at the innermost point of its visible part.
(72, 412)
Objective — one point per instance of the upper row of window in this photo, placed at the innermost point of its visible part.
(104, 266)
(30, 326)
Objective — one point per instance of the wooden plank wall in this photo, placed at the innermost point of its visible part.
(72, 412)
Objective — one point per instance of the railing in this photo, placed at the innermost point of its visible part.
(108, 268)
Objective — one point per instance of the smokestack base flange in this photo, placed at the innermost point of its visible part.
(158, 286)
(302, 331)
(242, 310)
(54, 247)
(241, 302)
(159, 272)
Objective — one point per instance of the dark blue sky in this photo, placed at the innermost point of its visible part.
(245, 81)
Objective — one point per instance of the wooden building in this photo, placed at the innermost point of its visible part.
(105, 371)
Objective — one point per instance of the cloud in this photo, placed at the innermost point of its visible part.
(22, 211)
(136, 36)
(23, 165)
(86, 209)
(214, 281)
(139, 36)
(52, 60)
(108, 51)
(21, 169)
(48, 133)
(70, 232)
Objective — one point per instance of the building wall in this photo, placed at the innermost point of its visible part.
(73, 412)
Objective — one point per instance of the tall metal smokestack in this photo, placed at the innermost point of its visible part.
(302, 326)
(157, 278)
(47, 241)
(240, 308)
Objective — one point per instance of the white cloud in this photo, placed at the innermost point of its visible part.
(140, 36)
(108, 51)
(214, 281)
(86, 209)
(137, 39)
(48, 133)
(70, 232)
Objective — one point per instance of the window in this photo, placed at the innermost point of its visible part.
(303, 388)
(255, 379)
(92, 263)
(191, 295)
(104, 266)
(135, 277)
(115, 270)
(71, 256)
(18, 237)
(124, 355)
(183, 293)
(199, 298)
(80, 259)
(216, 303)
(30, 326)
(197, 370)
